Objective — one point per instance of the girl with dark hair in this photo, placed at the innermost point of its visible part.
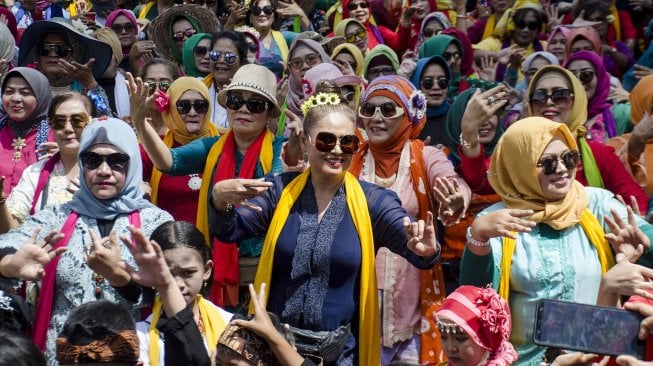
(227, 54)
(17, 350)
(184, 264)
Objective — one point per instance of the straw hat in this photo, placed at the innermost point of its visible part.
(158, 30)
(84, 46)
(256, 79)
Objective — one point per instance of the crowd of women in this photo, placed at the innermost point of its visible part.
(400, 182)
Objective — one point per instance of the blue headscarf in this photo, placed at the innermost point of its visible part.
(417, 76)
(114, 132)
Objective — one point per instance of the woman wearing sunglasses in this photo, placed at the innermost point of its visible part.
(324, 216)
(159, 74)
(195, 56)
(134, 52)
(227, 54)
(555, 93)
(73, 248)
(247, 150)
(354, 33)
(26, 97)
(394, 158)
(432, 77)
(56, 179)
(273, 46)
(547, 238)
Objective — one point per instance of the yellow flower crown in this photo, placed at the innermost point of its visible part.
(320, 99)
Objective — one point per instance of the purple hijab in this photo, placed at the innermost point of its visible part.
(599, 102)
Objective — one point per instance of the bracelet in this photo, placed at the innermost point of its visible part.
(229, 209)
(461, 16)
(469, 144)
(471, 240)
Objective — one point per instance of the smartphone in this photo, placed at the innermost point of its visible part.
(588, 328)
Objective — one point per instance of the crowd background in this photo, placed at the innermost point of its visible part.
(401, 181)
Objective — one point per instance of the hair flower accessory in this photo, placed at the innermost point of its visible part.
(417, 106)
(320, 99)
(162, 101)
(306, 87)
(98, 101)
(494, 313)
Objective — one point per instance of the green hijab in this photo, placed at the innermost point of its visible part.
(188, 54)
(453, 130)
(381, 50)
(176, 52)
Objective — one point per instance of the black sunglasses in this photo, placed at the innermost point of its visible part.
(252, 47)
(520, 24)
(77, 120)
(354, 6)
(229, 58)
(200, 51)
(119, 28)
(448, 55)
(200, 106)
(428, 32)
(585, 76)
(60, 50)
(182, 35)
(558, 96)
(254, 104)
(163, 86)
(428, 83)
(352, 37)
(326, 141)
(267, 10)
(387, 109)
(117, 161)
(310, 60)
(378, 71)
(550, 163)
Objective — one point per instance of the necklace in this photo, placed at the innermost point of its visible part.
(18, 144)
(385, 182)
(194, 182)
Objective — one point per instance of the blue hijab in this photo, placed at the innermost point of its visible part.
(114, 132)
(417, 77)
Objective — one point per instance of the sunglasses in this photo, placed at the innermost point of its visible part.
(428, 83)
(267, 10)
(117, 162)
(352, 37)
(254, 104)
(558, 96)
(550, 163)
(354, 6)
(60, 50)
(387, 110)
(152, 85)
(229, 58)
(77, 120)
(252, 47)
(378, 71)
(520, 24)
(585, 76)
(326, 141)
(200, 51)
(428, 33)
(120, 28)
(201, 106)
(449, 55)
(310, 60)
(183, 35)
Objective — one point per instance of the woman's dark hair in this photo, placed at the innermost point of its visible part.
(174, 71)
(590, 7)
(18, 350)
(238, 40)
(318, 112)
(175, 234)
(96, 319)
(275, 5)
(64, 35)
(59, 99)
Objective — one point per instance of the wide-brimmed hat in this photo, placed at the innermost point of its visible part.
(84, 46)
(256, 79)
(159, 28)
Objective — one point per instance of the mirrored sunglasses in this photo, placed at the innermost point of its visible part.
(549, 164)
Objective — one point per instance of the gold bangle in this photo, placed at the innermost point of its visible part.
(469, 144)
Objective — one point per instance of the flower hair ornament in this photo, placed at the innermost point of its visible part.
(416, 106)
(320, 99)
(162, 101)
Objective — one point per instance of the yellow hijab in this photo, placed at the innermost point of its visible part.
(355, 52)
(506, 25)
(516, 179)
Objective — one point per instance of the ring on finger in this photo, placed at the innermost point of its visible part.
(490, 100)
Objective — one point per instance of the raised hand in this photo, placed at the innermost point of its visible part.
(153, 271)
(238, 191)
(29, 261)
(488, 69)
(261, 324)
(421, 236)
(103, 257)
(450, 196)
(504, 222)
(139, 99)
(626, 237)
(80, 72)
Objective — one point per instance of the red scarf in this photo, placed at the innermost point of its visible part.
(44, 178)
(225, 255)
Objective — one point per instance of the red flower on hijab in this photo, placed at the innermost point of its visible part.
(306, 87)
(162, 101)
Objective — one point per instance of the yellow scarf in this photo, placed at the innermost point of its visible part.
(592, 229)
(146, 9)
(214, 325)
(265, 158)
(369, 332)
(281, 43)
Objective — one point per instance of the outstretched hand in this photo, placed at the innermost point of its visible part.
(104, 257)
(28, 263)
(153, 271)
(421, 236)
(505, 222)
(261, 324)
(450, 196)
(626, 238)
(239, 191)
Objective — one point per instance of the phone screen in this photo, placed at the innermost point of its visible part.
(588, 328)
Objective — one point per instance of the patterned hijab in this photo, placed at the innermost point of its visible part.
(173, 119)
(114, 132)
(514, 175)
